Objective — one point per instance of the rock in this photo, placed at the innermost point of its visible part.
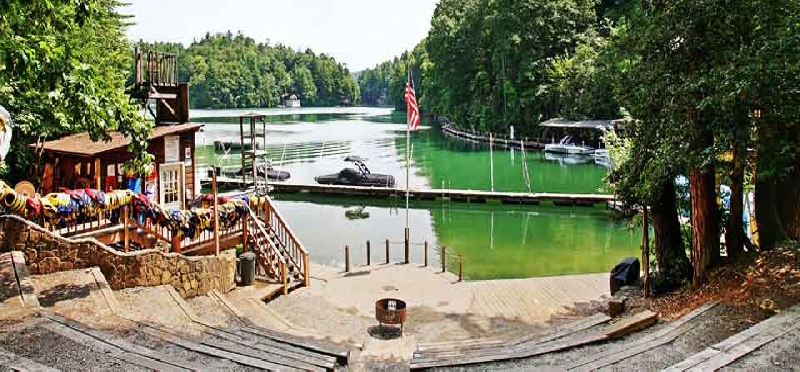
(65, 266)
(165, 277)
(617, 306)
(187, 286)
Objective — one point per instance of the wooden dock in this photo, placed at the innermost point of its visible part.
(468, 196)
(499, 142)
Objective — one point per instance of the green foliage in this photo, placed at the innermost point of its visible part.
(488, 64)
(233, 71)
(63, 66)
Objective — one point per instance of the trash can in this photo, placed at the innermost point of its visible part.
(625, 273)
(247, 268)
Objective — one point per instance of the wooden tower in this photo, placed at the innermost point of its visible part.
(155, 79)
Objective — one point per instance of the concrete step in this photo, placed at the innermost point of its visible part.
(17, 297)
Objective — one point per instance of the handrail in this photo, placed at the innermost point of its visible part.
(287, 239)
(285, 225)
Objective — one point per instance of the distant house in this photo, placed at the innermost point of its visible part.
(292, 101)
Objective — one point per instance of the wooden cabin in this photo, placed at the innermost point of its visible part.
(78, 162)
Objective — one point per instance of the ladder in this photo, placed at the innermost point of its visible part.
(253, 136)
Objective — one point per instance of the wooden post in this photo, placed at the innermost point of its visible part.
(124, 211)
(460, 261)
(176, 243)
(306, 280)
(646, 252)
(444, 258)
(244, 234)
(216, 209)
(406, 247)
(387, 251)
(97, 174)
(347, 258)
(426, 253)
(369, 260)
(284, 279)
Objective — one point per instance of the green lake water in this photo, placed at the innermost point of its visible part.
(496, 241)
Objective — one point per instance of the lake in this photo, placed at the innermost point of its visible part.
(495, 241)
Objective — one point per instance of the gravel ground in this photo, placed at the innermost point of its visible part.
(782, 354)
(208, 309)
(332, 321)
(54, 350)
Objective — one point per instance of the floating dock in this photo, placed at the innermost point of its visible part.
(469, 196)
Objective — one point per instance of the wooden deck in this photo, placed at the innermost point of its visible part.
(468, 196)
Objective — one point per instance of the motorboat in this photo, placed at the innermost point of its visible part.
(271, 173)
(565, 146)
(234, 145)
(567, 159)
(356, 177)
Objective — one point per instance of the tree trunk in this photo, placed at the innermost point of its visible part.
(770, 227)
(788, 189)
(702, 189)
(734, 232)
(673, 265)
(704, 236)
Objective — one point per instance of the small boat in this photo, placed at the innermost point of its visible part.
(565, 146)
(272, 173)
(356, 177)
(233, 145)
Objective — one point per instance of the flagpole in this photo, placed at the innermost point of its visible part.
(408, 159)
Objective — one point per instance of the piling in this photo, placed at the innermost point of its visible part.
(347, 258)
(444, 259)
(426, 253)
(387, 251)
(406, 247)
(460, 261)
(369, 260)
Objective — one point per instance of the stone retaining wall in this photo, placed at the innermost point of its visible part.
(46, 253)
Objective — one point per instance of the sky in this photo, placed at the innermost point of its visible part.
(359, 33)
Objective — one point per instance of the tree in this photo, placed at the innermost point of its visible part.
(63, 67)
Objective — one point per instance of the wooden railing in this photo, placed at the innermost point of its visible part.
(155, 68)
(285, 238)
(265, 250)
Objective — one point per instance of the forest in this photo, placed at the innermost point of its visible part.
(234, 71)
(707, 90)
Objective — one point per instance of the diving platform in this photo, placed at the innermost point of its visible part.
(468, 196)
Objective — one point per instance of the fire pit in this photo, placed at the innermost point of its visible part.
(390, 311)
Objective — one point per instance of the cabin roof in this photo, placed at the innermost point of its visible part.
(81, 145)
(583, 124)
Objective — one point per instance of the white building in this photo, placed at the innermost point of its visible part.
(292, 101)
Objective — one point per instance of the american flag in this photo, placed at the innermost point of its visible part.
(411, 103)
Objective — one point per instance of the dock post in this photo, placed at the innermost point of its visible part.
(369, 260)
(406, 247)
(444, 258)
(347, 258)
(387, 251)
(460, 260)
(426, 253)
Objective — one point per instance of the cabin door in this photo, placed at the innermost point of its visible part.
(170, 185)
